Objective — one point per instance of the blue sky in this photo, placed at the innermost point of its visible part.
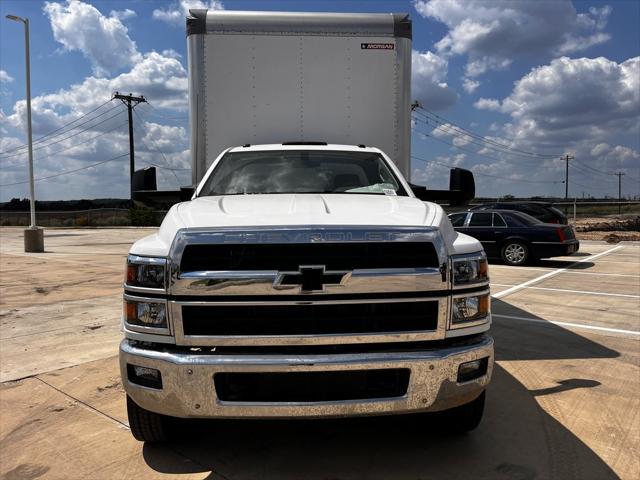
(545, 78)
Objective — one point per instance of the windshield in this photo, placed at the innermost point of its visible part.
(304, 171)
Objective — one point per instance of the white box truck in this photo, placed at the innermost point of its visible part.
(306, 277)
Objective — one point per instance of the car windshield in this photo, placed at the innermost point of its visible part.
(303, 171)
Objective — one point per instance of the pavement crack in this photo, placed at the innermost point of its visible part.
(84, 404)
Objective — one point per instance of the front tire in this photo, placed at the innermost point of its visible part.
(146, 426)
(515, 253)
(466, 417)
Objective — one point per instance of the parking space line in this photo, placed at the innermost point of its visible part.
(633, 333)
(624, 262)
(532, 269)
(573, 291)
(553, 273)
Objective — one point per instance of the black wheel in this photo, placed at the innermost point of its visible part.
(515, 253)
(466, 417)
(146, 426)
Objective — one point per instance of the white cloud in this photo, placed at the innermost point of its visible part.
(178, 11)
(104, 41)
(161, 79)
(470, 85)
(487, 104)
(166, 138)
(613, 158)
(5, 77)
(599, 149)
(585, 106)
(428, 81)
(462, 140)
(492, 32)
(571, 100)
(459, 139)
(476, 68)
(123, 14)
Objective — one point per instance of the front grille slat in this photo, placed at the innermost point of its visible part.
(305, 319)
(289, 257)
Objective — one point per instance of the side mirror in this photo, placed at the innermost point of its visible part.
(462, 189)
(186, 193)
(461, 182)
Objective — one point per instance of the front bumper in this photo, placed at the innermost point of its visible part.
(188, 387)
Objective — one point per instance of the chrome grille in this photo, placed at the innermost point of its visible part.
(307, 286)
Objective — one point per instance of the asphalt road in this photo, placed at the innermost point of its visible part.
(564, 402)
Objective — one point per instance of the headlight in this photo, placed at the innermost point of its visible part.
(470, 269)
(472, 309)
(145, 272)
(145, 313)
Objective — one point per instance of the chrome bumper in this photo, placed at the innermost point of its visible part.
(188, 387)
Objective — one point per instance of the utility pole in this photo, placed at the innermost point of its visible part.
(130, 101)
(619, 174)
(566, 176)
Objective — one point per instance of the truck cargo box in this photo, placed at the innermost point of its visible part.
(272, 77)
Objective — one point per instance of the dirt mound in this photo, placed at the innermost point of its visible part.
(613, 223)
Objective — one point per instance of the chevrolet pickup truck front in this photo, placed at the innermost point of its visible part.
(238, 344)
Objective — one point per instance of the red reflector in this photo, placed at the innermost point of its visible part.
(560, 234)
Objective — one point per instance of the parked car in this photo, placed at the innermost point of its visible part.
(545, 212)
(515, 237)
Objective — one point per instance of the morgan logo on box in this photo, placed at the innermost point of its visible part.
(377, 46)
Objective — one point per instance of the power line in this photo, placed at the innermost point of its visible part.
(441, 140)
(591, 187)
(438, 119)
(167, 167)
(594, 169)
(40, 139)
(70, 136)
(470, 140)
(82, 142)
(67, 172)
(586, 172)
(463, 131)
(487, 174)
(155, 113)
(173, 170)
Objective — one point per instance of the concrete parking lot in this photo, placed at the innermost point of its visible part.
(564, 402)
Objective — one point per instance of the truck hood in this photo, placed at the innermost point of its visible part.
(298, 209)
(304, 209)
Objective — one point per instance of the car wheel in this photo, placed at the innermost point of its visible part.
(146, 426)
(515, 253)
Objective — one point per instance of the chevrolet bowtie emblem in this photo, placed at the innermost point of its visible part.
(310, 278)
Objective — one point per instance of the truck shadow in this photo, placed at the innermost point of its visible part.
(517, 439)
